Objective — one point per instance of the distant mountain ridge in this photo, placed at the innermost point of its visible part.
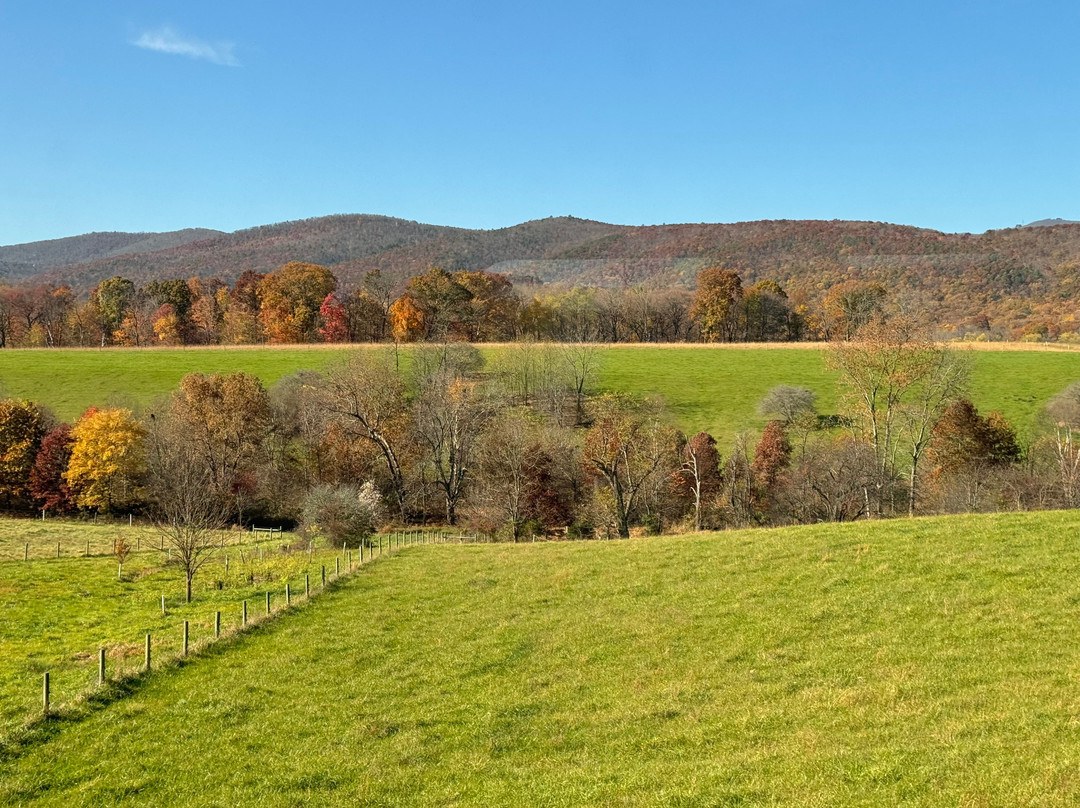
(1012, 276)
(1051, 222)
(38, 256)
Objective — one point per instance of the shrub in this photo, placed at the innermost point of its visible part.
(342, 513)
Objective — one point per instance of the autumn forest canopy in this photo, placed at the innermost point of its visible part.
(348, 278)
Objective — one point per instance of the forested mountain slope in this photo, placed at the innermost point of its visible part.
(1008, 275)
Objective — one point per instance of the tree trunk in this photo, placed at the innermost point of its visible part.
(911, 485)
(189, 588)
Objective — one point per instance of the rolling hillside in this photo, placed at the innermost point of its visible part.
(921, 662)
(22, 260)
(1012, 276)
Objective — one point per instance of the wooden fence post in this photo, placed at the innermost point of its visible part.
(268, 603)
(185, 637)
(148, 652)
(288, 595)
(324, 575)
(26, 552)
(217, 625)
(101, 667)
(243, 621)
(307, 585)
(45, 693)
(58, 549)
(337, 566)
(88, 548)
(162, 604)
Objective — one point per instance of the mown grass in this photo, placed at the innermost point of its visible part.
(921, 662)
(56, 613)
(711, 388)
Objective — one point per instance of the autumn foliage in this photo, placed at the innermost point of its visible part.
(107, 459)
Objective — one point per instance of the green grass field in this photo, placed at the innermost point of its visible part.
(921, 662)
(58, 611)
(716, 389)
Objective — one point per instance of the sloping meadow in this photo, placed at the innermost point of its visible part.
(924, 662)
(706, 387)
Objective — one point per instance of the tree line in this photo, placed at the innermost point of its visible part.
(303, 303)
(523, 446)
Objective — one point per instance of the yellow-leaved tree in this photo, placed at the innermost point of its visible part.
(108, 456)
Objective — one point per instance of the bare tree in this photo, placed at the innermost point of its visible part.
(1064, 413)
(943, 379)
(451, 412)
(829, 484)
(626, 445)
(186, 509)
(367, 396)
(788, 403)
(583, 361)
(738, 493)
(881, 372)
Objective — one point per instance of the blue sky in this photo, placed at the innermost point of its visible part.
(163, 115)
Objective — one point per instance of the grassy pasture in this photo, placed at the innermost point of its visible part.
(73, 537)
(922, 662)
(56, 613)
(712, 388)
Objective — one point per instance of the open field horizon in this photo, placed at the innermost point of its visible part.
(706, 387)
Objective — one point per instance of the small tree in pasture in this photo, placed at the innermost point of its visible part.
(788, 403)
(186, 509)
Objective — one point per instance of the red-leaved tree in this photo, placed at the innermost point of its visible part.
(47, 483)
(335, 321)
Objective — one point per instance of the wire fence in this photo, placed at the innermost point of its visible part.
(70, 688)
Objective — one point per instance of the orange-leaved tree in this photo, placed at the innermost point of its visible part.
(227, 417)
(22, 426)
(407, 319)
(714, 309)
(289, 301)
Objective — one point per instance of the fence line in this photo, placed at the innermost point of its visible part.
(393, 541)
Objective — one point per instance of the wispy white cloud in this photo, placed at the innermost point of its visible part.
(168, 40)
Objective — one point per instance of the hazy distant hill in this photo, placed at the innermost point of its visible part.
(330, 241)
(1013, 275)
(19, 260)
(1051, 222)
